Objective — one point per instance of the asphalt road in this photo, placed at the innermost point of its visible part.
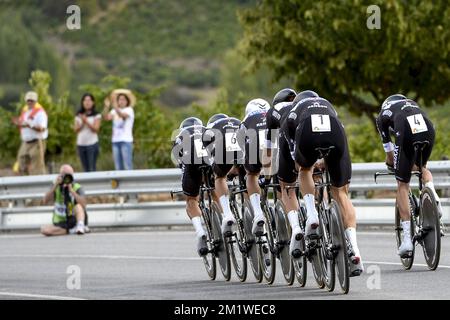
(163, 265)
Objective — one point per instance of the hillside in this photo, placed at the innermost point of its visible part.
(176, 44)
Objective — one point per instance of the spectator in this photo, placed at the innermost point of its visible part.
(87, 126)
(122, 116)
(33, 123)
(69, 212)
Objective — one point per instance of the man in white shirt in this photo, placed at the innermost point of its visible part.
(33, 123)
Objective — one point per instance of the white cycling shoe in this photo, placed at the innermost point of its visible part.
(356, 266)
(406, 248)
(227, 225)
(312, 225)
(202, 247)
(80, 229)
(258, 225)
(294, 246)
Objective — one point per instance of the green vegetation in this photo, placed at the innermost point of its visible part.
(326, 46)
(193, 57)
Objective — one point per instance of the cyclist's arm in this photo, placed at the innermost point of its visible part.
(383, 122)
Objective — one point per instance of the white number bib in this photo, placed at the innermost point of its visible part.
(320, 123)
(417, 123)
(199, 149)
(231, 143)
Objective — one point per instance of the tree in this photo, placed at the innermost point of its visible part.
(326, 46)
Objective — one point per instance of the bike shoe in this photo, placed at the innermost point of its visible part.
(258, 226)
(406, 248)
(202, 248)
(312, 225)
(294, 246)
(356, 266)
(227, 224)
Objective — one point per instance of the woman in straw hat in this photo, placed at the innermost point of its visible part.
(122, 116)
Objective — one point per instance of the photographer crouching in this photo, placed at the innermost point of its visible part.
(70, 205)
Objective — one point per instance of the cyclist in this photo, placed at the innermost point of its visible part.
(313, 123)
(287, 171)
(409, 124)
(189, 153)
(220, 138)
(252, 135)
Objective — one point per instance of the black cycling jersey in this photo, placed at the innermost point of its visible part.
(275, 117)
(304, 109)
(312, 124)
(252, 135)
(409, 124)
(221, 141)
(188, 146)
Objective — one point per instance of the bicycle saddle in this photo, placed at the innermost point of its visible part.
(324, 152)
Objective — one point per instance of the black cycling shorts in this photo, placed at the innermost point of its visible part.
(222, 170)
(404, 155)
(286, 165)
(69, 224)
(338, 161)
(191, 179)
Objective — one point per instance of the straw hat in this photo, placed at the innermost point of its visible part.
(113, 97)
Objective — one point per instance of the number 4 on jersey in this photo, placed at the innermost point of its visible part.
(417, 123)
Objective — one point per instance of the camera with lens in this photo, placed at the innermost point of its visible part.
(67, 179)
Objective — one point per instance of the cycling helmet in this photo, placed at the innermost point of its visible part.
(191, 121)
(255, 105)
(305, 94)
(284, 95)
(216, 117)
(389, 100)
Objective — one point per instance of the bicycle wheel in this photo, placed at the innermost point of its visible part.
(221, 249)
(237, 243)
(406, 262)
(266, 252)
(431, 228)
(300, 265)
(340, 246)
(327, 251)
(253, 254)
(210, 259)
(283, 234)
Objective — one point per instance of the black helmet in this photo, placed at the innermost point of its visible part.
(284, 95)
(191, 121)
(392, 98)
(216, 117)
(305, 94)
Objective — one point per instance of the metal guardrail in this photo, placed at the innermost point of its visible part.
(17, 192)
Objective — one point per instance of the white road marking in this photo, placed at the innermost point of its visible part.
(38, 296)
(88, 256)
(399, 264)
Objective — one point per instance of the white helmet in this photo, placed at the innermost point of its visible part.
(255, 105)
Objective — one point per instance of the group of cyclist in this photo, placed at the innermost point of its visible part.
(279, 143)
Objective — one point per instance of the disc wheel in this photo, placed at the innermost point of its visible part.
(430, 224)
(237, 243)
(340, 244)
(221, 249)
(253, 254)
(283, 233)
(210, 259)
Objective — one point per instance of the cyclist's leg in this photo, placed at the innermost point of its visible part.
(340, 169)
(305, 157)
(287, 176)
(254, 193)
(191, 182)
(221, 190)
(403, 164)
